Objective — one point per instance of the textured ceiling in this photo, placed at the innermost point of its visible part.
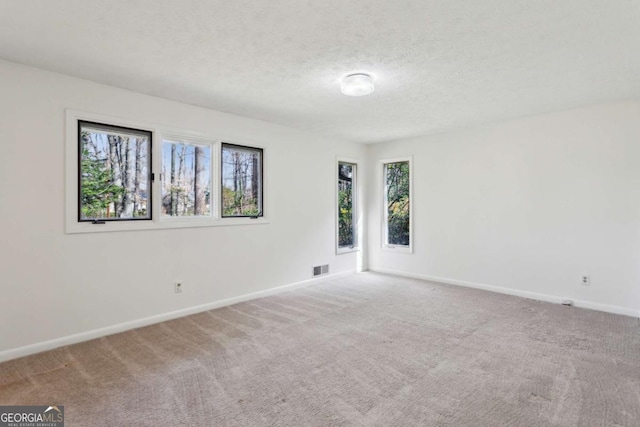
(438, 65)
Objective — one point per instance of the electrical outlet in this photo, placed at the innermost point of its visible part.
(178, 287)
(585, 279)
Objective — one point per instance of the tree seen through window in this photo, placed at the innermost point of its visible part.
(346, 223)
(397, 203)
(186, 179)
(114, 173)
(241, 181)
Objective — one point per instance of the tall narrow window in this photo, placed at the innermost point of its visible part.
(114, 179)
(241, 181)
(186, 179)
(346, 206)
(397, 210)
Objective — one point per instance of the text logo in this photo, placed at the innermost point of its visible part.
(32, 416)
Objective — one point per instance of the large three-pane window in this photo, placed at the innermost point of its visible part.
(192, 181)
(397, 204)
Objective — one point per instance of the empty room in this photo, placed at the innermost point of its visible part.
(336, 213)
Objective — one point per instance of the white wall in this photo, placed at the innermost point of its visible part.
(54, 285)
(526, 205)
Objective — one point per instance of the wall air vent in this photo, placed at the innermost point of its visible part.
(320, 270)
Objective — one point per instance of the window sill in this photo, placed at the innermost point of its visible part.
(398, 249)
(341, 251)
(160, 224)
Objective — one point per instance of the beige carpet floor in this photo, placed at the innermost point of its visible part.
(359, 350)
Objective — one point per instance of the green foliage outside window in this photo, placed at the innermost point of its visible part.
(346, 233)
(397, 180)
(241, 181)
(98, 188)
(114, 179)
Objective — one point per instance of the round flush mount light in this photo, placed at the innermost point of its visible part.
(357, 84)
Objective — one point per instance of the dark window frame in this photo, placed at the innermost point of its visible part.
(150, 177)
(260, 214)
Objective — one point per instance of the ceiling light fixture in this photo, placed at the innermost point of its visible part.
(357, 84)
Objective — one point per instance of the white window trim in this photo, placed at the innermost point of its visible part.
(157, 166)
(72, 225)
(396, 248)
(356, 207)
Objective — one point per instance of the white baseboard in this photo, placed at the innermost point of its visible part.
(121, 327)
(525, 294)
